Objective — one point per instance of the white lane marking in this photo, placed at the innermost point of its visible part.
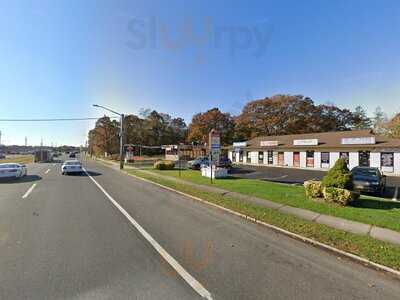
(197, 286)
(396, 194)
(29, 191)
(47, 172)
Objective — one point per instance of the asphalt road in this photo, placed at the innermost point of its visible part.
(67, 240)
(298, 176)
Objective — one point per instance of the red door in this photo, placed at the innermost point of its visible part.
(281, 158)
(296, 159)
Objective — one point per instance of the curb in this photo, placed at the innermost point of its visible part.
(323, 246)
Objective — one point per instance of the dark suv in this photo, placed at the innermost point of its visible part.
(370, 180)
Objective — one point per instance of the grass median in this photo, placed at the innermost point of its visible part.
(18, 159)
(368, 209)
(364, 246)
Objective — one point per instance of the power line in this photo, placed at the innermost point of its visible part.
(52, 120)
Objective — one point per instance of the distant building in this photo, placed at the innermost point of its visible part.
(320, 150)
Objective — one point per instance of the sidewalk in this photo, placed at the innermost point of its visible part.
(378, 233)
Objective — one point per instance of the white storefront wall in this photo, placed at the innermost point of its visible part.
(288, 159)
(254, 157)
(333, 157)
(353, 160)
(375, 159)
(317, 160)
(397, 163)
(303, 159)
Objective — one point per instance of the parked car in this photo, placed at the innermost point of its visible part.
(13, 170)
(72, 155)
(224, 162)
(198, 162)
(71, 166)
(368, 179)
(2, 156)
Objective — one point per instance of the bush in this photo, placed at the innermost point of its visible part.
(340, 196)
(164, 165)
(339, 176)
(313, 189)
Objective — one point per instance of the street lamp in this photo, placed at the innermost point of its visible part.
(121, 134)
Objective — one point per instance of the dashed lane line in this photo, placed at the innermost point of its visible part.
(29, 191)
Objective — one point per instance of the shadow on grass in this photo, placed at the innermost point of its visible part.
(375, 204)
(28, 178)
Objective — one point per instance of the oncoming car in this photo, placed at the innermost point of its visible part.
(71, 166)
(12, 170)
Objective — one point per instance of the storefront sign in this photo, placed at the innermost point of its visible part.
(359, 141)
(268, 143)
(239, 144)
(308, 142)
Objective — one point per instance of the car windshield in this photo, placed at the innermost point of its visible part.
(365, 173)
(72, 163)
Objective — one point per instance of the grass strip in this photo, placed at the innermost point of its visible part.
(368, 210)
(364, 246)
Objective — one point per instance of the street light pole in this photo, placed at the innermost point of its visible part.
(121, 135)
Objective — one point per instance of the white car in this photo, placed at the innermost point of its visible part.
(71, 166)
(13, 170)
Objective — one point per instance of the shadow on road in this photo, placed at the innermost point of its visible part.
(83, 174)
(28, 178)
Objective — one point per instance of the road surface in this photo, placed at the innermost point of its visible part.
(62, 237)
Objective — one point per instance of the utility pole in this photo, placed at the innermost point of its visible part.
(121, 134)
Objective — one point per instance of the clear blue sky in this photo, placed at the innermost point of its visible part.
(59, 57)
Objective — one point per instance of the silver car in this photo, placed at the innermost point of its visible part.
(71, 166)
(13, 170)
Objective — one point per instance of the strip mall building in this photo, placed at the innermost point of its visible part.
(320, 150)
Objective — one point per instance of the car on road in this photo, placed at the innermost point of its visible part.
(13, 170)
(368, 179)
(198, 162)
(71, 166)
(72, 155)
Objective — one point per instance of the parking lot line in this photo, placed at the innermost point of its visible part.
(48, 170)
(29, 191)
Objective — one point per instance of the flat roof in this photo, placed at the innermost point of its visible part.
(325, 140)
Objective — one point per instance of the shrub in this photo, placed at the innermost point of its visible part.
(340, 196)
(164, 165)
(339, 176)
(313, 188)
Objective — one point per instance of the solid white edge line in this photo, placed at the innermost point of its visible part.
(197, 286)
(29, 191)
(332, 249)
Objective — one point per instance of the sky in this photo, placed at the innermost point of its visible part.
(57, 58)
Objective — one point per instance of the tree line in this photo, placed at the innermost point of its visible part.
(276, 115)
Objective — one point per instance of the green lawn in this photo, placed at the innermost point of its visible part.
(369, 210)
(364, 246)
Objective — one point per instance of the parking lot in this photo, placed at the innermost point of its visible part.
(298, 176)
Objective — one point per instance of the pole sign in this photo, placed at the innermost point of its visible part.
(214, 138)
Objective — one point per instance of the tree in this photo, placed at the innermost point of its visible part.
(360, 119)
(379, 121)
(104, 137)
(289, 114)
(339, 176)
(202, 123)
(393, 127)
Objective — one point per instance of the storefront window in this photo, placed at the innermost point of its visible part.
(248, 157)
(387, 159)
(270, 157)
(325, 158)
(260, 157)
(363, 158)
(310, 159)
(345, 156)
